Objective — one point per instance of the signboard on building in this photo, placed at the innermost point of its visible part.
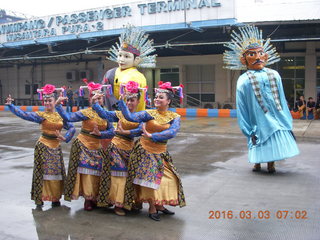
(152, 15)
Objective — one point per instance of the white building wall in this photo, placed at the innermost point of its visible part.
(13, 79)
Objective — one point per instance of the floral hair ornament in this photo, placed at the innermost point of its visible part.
(48, 91)
(250, 37)
(167, 88)
(131, 89)
(95, 88)
(135, 41)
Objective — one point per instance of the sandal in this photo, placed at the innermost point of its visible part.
(166, 211)
(256, 167)
(119, 211)
(154, 216)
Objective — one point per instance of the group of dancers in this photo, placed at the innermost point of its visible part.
(136, 167)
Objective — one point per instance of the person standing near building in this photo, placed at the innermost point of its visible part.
(70, 99)
(134, 50)
(301, 107)
(87, 155)
(311, 108)
(80, 99)
(48, 170)
(262, 111)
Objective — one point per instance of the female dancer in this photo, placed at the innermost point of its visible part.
(86, 156)
(48, 171)
(150, 165)
(119, 150)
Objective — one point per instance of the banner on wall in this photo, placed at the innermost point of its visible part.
(158, 13)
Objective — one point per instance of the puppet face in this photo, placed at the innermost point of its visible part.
(127, 60)
(161, 100)
(255, 59)
(49, 103)
(132, 103)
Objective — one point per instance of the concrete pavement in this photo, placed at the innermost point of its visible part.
(225, 199)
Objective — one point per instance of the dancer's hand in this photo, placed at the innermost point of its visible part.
(254, 139)
(9, 100)
(96, 96)
(96, 131)
(145, 132)
(122, 96)
(61, 99)
(60, 136)
(120, 129)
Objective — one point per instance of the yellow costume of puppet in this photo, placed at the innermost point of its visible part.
(133, 51)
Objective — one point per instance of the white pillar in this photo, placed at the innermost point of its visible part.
(228, 78)
(310, 71)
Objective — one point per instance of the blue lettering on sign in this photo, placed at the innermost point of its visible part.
(73, 18)
(142, 7)
(99, 26)
(117, 12)
(108, 13)
(162, 7)
(92, 20)
(152, 8)
(204, 3)
(175, 5)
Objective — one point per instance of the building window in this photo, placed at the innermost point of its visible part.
(27, 89)
(170, 75)
(292, 72)
(200, 84)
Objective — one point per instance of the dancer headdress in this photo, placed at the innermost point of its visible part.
(135, 41)
(250, 37)
(95, 88)
(48, 91)
(131, 89)
(167, 88)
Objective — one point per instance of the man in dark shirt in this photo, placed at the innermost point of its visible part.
(70, 99)
(311, 107)
(80, 100)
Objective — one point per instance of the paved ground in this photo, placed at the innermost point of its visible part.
(212, 158)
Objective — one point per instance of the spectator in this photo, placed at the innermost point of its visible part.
(311, 107)
(301, 107)
(70, 99)
(80, 100)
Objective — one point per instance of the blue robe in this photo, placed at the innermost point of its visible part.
(273, 129)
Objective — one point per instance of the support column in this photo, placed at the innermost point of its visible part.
(182, 80)
(310, 71)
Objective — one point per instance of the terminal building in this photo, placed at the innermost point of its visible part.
(189, 37)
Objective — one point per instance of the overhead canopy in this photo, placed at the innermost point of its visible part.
(179, 28)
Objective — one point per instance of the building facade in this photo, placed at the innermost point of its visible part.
(189, 37)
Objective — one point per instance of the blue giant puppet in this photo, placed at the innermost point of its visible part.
(262, 111)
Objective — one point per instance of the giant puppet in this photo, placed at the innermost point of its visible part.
(133, 51)
(262, 110)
